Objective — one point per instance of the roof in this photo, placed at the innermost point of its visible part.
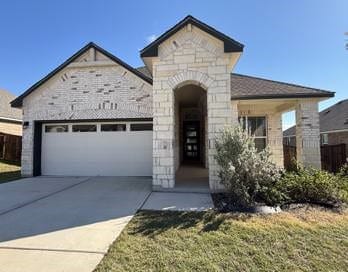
(6, 111)
(19, 100)
(230, 45)
(144, 70)
(250, 87)
(331, 119)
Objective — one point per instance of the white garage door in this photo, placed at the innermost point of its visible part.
(97, 149)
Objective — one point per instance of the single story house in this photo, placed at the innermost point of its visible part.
(10, 128)
(333, 126)
(97, 115)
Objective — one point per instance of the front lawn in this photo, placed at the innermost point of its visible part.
(9, 171)
(305, 240)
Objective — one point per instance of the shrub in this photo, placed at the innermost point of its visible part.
(310, 185)
(344, 171)
(248, 175)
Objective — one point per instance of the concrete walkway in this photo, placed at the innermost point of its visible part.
(64, 224)
(178, 201)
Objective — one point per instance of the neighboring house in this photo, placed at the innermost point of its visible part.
(10, 128)
(333, 126)
(96, 115)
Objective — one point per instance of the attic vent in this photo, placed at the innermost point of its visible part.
(327, 112)
(175, 44)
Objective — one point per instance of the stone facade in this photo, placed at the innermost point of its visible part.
(308, 133)
(190, 56)
(96, 87)
(92, 87)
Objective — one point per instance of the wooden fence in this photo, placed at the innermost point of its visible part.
(332, 157)
(10, 147)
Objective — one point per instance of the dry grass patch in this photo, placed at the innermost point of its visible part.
(9, 171)
(302, 240)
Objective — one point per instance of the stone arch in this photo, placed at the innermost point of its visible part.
(190, 77)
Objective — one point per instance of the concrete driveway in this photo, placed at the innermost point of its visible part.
(64, 224)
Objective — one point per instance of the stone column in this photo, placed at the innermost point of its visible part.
(275, 138)
(219, 116)
(308, 133)
(163, 136)
(234, 114)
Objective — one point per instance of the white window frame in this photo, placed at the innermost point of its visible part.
(117, 131)
(247, 129)
(87, 124)
(56, 124)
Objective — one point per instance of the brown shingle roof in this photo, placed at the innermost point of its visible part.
(5, 108)
(249, 87)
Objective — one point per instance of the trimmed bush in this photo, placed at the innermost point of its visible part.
(310, 185)
(248, 175)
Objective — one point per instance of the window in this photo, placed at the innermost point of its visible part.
(84, 128)
(140, 127)
(113, 127)
(56, 128)
(325, 139)
(256, 127)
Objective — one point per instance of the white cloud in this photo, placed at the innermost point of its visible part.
(151, 38)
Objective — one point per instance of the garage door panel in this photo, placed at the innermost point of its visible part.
(121, 153)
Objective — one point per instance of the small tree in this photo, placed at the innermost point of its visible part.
(247, 174)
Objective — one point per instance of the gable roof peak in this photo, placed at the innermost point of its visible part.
(17, 103)
(230, 45)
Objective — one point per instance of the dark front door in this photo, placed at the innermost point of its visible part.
(191, 141)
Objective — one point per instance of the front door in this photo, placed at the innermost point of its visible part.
(191, 141)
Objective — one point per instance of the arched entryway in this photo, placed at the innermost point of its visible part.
(190, 148)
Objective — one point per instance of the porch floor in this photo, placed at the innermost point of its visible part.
(190, 178)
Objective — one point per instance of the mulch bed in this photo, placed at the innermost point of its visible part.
(224, 203)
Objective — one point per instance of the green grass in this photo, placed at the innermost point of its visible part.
(9, 171)
(312, 240)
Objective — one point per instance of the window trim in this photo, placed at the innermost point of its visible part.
(124, 124)
(137, 123)
(57, 125)
(86, 124)
(247, 129)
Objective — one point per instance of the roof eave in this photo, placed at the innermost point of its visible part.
(18, 102)
(230, 45)
(282, 96)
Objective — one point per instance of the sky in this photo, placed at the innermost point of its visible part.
(300, 42)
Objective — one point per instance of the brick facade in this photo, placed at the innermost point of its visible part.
(92, 87)
(338, 138)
